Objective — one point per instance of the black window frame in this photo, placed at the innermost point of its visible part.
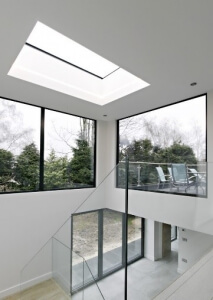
(42, 142)
(175, 235)
(154, 109)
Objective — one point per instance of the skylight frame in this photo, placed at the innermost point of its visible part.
(38, 66)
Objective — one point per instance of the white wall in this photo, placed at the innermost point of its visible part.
(153, 240)
(28, 220)
(191, 247)
(102, 151)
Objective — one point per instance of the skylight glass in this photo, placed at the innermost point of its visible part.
(51, 60)
(51, 41)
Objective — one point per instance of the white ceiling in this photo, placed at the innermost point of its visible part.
(168, 43)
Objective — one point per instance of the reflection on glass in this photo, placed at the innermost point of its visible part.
(112, 240)
(134, 237)
(85, 244)
(69, 151)
(19, 146)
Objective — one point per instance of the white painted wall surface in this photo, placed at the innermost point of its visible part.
(149, 243)
(153, 240)
(101, 152)
(192, 246)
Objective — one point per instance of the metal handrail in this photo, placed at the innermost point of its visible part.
(155, 163)
(140, 163)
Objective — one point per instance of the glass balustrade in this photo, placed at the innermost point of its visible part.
(86, 248)
(174, 178)
(172, 251)
(85, 258)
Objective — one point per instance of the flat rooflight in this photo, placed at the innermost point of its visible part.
(52, 60)
(55, 43)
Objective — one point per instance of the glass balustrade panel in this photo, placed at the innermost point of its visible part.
(112, 240)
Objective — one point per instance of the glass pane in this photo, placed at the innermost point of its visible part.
(61, 264)
(173, 233)
(92, 292)
(157, 139)
(35, 278)
(112, 240)
(85, 244)
(19, 146)
(69, 151)
(134, 237)
(77, 272)
(87, 292)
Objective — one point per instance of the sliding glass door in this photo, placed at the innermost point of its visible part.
(84, 247)
(98, 237)
(135, 237)
(112, 240)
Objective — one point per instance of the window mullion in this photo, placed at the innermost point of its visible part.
(41, 181)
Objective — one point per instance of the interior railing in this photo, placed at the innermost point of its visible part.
(153, 276)
(70, 265)
(73, 264)
(164, 177)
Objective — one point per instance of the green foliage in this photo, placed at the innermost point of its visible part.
(56, 172)
(144, 151)
(27, 168)
(6, 165)
(140, 150)
(22, 172)
(178, 153)
(80, 166)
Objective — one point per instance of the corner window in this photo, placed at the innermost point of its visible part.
(166, 148)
